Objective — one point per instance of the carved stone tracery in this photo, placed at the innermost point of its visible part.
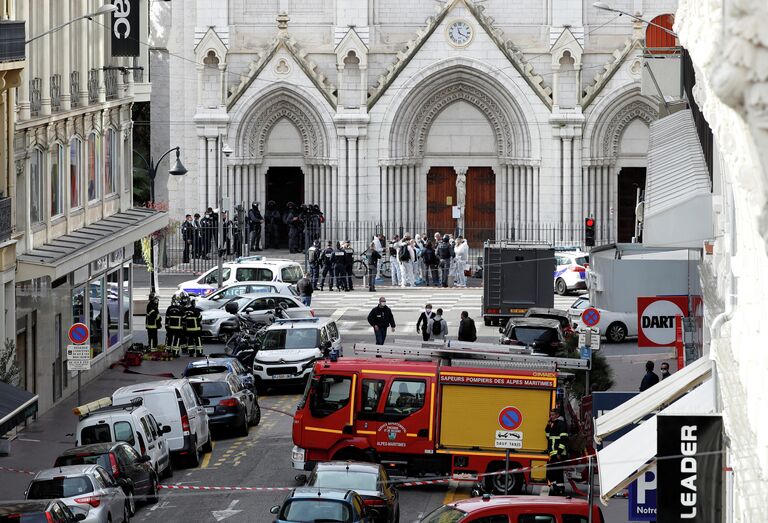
(619, 122)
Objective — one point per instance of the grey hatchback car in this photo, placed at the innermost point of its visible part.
(86, 489)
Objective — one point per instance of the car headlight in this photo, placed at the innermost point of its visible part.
(298, 454)
(208, 322)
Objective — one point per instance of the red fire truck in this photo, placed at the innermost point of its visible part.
(451, 411)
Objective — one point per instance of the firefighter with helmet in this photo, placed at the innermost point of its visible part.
(174, 324)
(193, 318)
(153, 322)
(557, 447)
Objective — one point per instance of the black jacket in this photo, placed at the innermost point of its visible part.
(467, 330)
(304, 286)
(423, 318)
(445, 251)
(649, 380)
(372, 258)
(381, 317)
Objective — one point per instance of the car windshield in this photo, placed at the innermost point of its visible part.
(534, 335)
(582, 260)
(561, 319)
(59, 488)
(203, 370)
(445, 514)
(308, 510)
(344, 479)
(291, 274)
(290, 339)
(83, 459)
(211, 389)
(581, 303)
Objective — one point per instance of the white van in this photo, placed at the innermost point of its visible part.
(132, 423)
(174, 403)
(250, 269)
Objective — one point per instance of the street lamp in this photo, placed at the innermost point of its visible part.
(227, 151)
(177, 169)
(606, 7)
(103, 10)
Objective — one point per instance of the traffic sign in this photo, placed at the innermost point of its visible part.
(590, 317)
(589, 337)
(509, 439)
(510, 418)
(79, 333)
(78, 357)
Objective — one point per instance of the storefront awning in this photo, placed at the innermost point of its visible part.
(71, 251)
(622, 461)
(664, 393)
(16, 405)
(678, 189)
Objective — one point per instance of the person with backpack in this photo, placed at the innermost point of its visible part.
(422, 324)
(406, 257)
(438, 327)
(445, 254)
(429, 258)
(467, 329)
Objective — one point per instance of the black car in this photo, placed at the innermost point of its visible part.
(227, 401)
(43, 511)
(123, 462)
(542, 335)
(370, 480)
(323, 504)
(552, 314)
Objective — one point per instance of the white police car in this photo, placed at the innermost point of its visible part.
(248, 269)
(570, 271)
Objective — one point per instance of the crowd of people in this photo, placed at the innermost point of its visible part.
(431, 325)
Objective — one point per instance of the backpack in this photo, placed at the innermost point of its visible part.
(437, 327)
(404, 254)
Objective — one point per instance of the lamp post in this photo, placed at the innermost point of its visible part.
(606, 7)
(177, 169)
(103, 10)
(227, 151)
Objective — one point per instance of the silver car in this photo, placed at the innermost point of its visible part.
(222, 296)
(258, 307)
(86, 489)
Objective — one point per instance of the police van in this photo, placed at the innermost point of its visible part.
(248, 269)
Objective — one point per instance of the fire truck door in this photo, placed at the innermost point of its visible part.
(405, 416)
(330, 404)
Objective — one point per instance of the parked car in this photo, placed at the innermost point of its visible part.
(43, 511)
(123, 462)
(570, 271)
(319, 504)
(541, 334)
(249, 269)
(217, 298)
(288, 350)
(217, 366)
(131, 422)
(175, 404)
(576, 308)
(615, 326)
(228, 403)
(552, 314)
(86, 489)
(517, 509)
(370, 480)
(257, 307)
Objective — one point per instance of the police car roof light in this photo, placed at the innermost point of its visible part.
(292, 320)
(249, 258)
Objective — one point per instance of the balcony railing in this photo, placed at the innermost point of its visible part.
(93, 85)
(74, 88)
(12, 38)
(56, 92)
(5, 219)
(35, 96)
(110, 83)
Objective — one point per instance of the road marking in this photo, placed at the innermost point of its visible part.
(228, 512)
(338, 313)
(208, 456)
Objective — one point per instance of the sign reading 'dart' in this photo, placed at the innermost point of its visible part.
(125, 28)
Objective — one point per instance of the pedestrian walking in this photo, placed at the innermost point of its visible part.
(394, 263)
(315, 256)
(445, 254)
(664, 370)
(438, 327)
(650, 379)
(305, 288)
(372, 258)
(380, 318)
(462, 260)
(467, 329)
(153, 320)
(422, 324)
(557, 447)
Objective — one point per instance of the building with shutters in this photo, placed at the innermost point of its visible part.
(375, 110)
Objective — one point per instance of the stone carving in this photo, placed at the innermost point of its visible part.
(282, 67)
(602, 77)
(631, 111)
(260, 124)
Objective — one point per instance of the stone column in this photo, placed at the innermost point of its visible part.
(567, 209)
(578, 183)
(100, 31)
(461, 195)
(66, 50)
(353, 181)
(86, 41)
(47, 44)
(342, 193)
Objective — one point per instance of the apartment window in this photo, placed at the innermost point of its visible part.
(94, 166)
(58, 163)
(110, 161)
(36, 194)
(75, 172)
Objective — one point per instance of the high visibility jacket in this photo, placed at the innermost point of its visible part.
(153, 319)
(174, 317)
(192, 319)
(557, 438)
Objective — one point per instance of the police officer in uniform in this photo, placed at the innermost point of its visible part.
(153, 320)
(339, 271)
(271, 219)
(314, 255)
(327, 262)
(193, 318)
(174, 326)
(255, 219)
(349, 261)
(557, 447)
(292, 221)
(372, 258)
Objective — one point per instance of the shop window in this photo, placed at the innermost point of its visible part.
(78, 305)
(58, 166)
(36, 193)
(75, 172)
(113, 309)
(127, 300)
(94, 167)
(96, 317)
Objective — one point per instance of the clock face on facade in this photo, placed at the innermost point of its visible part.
(460, 33)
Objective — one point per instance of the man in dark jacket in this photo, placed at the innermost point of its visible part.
(372, 257)
(557, 446)
(467, 330)
(153, 320)
(650, 379)
(327, 263)
(430, 265)
(292, 221)
(188, 235)
(349, 263)
(272, 221)
(305, 288)
(422, 323)
(444, 254)
(380, 318)
(339, 272)
(255, 219)
(197, 227)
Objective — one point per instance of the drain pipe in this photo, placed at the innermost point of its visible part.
(726, 315)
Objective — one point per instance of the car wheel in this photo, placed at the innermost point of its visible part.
(194, 455)
(496, 483)
(152, 493)
(208, 447)
(243, 428)
(396, 519)
(168, 470)
(130, 502)
(560, 287)
(256, 414)
(616, 332)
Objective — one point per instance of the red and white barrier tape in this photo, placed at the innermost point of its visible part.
(247, 489)
(20, 471)
(421, 483)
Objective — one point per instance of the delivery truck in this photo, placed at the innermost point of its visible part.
(516, 277)
(413, 415)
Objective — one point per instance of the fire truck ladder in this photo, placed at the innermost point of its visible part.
(476, 355)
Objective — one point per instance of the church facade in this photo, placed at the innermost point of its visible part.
(505, 120)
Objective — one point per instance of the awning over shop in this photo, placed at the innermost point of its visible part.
(678, 189)
(72, 251)
(16, 405)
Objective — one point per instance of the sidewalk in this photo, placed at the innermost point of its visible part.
(37, 446)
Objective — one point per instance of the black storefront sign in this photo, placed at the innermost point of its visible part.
(689, 469)
(125, 28)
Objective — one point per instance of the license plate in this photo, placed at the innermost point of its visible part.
(282, 377)
(209, 410)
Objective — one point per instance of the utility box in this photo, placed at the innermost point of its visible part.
(516, 277)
